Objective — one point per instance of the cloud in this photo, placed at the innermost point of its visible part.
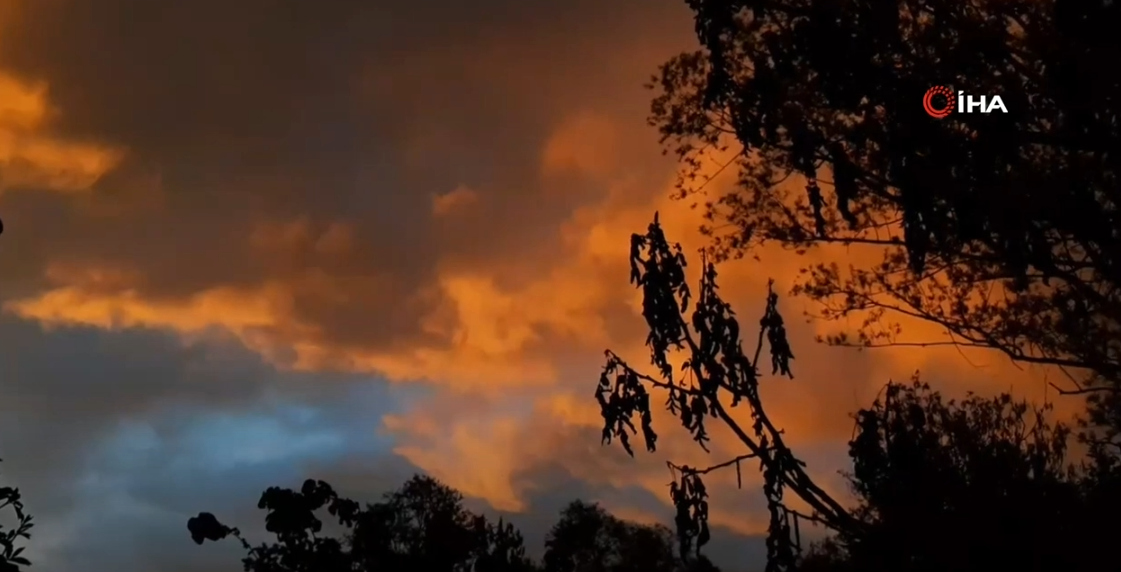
(252, 199)
(585, 143)
(116, 438)
(453, 200)
(30, 157)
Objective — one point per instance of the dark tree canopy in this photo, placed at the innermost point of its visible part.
(970, 486)
(1003, 229)
(587, 538)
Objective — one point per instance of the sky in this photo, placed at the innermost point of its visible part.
(249, 242)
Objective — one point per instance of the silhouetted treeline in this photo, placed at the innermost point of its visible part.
(423, 525)
(941, 485)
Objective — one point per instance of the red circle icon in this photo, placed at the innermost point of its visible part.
(928, 102)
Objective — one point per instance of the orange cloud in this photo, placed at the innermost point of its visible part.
(31, 158)
(586, 143)
(243, 312)
(22, 106)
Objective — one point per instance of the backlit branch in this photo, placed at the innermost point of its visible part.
(715, 370)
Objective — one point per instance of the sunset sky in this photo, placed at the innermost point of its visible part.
(253, 241)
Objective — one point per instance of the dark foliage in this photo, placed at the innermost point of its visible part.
(716, 375)
(424, 526)
(1003, 229)
(11, 559)
(967, 485)
(421, 526)
(589, 539)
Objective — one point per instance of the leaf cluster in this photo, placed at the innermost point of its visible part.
(715, 376)
(11, 553)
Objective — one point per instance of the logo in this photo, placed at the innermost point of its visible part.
(928, 102)
(965, 103)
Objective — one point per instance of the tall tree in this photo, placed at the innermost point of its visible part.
(1003, 229)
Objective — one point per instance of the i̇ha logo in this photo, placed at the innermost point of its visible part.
(964, 104)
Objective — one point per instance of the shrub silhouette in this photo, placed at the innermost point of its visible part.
(11, 553)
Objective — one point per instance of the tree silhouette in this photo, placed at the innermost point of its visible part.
(946, 485)
(589, 539)
(1001, 228)
(11, 554)
(716, 375)
(422, 525)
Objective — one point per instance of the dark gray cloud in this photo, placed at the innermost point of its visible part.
(343, 110)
